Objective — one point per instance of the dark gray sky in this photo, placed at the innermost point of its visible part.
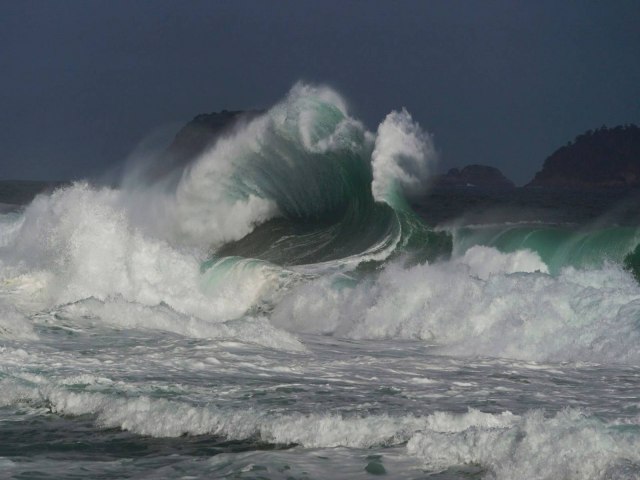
(497, 82)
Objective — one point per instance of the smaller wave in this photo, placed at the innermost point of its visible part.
(118, 313)
(140, 415)
(568, 445)
(485, 303)
(483, 262)
(559, 246)
(15, 325)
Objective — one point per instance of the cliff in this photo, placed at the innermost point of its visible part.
(475, 176)
(607, 157)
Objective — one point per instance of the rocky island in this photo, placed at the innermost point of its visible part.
(473, 176)
(602, 158)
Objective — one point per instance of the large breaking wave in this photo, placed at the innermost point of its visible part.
(298, 221)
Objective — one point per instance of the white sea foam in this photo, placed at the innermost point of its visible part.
(10, 223)
(77, 248)
(15, 325)
(568, 445)
(205, 208)
(403, 158)
(79, 243)
(484, 303)
(483, 262)
(119, 313)
(140, 415)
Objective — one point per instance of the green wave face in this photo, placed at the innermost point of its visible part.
(558, 246)
(313, 162)
(378, 234)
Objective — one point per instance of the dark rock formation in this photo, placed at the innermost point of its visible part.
(606, 157)
(473, 176)
(195, 137)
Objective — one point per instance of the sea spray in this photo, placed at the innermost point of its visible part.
(403, 159)
(483, 303)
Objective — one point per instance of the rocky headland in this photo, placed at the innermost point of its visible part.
(602, 158)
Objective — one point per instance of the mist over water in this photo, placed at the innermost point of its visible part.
(276, 309)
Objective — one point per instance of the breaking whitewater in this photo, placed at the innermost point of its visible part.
(277, 310)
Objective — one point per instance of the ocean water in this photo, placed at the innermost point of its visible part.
(279, 310)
